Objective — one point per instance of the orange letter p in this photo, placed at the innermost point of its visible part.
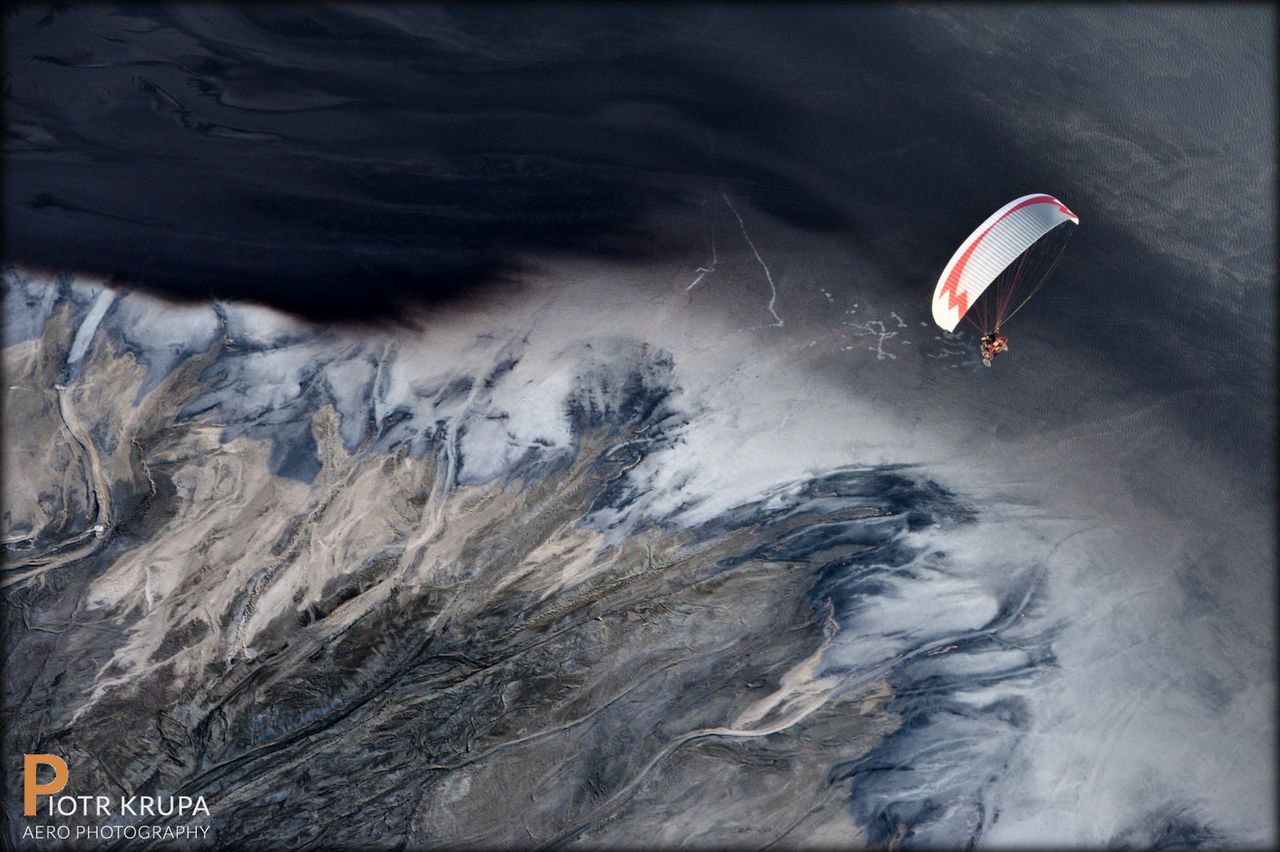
(32, 788)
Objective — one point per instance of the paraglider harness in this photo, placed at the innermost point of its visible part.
(992, 344)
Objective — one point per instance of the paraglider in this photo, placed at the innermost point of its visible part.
(1000, 266)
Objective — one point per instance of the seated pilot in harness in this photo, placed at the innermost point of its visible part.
(991, 345)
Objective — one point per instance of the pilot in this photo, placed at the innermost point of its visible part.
(991, 345)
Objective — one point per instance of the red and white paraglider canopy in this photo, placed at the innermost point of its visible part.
(1001, 252)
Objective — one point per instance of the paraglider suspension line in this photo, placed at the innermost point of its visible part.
(1004, 288)
(1008, 286)
(1039, 284)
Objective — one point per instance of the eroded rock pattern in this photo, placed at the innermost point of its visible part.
(329, 629)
